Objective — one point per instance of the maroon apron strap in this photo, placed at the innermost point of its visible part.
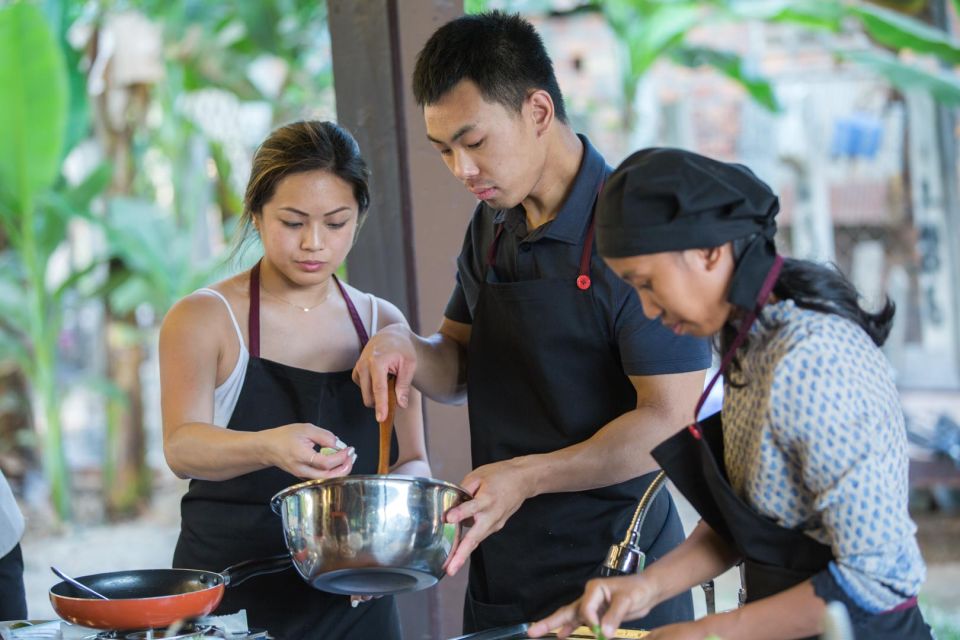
(583, 276)
(909, 603)
(253, 316)
(765, 291)
(354, 316)
(492, 252)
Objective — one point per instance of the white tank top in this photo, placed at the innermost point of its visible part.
(226, 395)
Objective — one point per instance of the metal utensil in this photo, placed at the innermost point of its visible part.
(370, 535)
(78, 584)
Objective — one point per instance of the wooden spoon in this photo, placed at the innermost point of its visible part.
(386, 427)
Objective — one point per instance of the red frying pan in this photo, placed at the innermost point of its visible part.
(153, 598)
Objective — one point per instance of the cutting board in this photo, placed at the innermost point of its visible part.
(622, 634)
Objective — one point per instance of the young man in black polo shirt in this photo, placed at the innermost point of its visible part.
(569, 384)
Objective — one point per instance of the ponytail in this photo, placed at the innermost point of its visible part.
(818, 287)
(823, 288)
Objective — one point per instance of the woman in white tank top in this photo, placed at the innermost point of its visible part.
(256, 380)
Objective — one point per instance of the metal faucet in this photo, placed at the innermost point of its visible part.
(626, 557)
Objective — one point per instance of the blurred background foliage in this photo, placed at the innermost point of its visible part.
(649, 31)
(128, 127)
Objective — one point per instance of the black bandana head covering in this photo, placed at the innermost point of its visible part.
(663, 199)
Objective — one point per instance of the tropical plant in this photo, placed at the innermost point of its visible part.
(154, 266)
(651, 30)
(217, 59)
(148, 251)
(33, 119)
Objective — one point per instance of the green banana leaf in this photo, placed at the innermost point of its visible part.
(15, 320)
(732, 66)
(824, 15)
(942, 85)
(33, 112)
(648, 29)
(159, 266)
(57, 208)
(898, 31)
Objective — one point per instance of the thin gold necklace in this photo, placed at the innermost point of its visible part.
(296, 306)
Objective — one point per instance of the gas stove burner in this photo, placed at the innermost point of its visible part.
(185, 632)
(188, 632)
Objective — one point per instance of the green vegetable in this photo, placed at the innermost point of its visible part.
(598, 632)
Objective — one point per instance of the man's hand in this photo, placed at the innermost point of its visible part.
(498, 490)
(390, 351)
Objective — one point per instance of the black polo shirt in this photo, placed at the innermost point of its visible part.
(553, 250)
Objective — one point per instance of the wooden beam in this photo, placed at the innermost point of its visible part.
(407, 250)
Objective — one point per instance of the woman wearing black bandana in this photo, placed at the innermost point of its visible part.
(805, 477)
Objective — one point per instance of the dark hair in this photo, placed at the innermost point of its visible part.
(501, 53)
(819, 287)
(301, 146)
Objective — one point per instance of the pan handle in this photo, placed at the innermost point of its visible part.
(241, 571)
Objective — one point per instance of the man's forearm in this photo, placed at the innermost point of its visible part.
(441, 369)
(618, 452)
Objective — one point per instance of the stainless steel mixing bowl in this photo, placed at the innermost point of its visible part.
(369, 535)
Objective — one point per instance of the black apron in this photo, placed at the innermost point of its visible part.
(230, 521)
(13, 599)
(775, 558)
(544, 373)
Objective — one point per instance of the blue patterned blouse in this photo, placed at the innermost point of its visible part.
(816, 442)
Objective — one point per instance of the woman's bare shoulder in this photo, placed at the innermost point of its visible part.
(204, 314)
(236, 288)
(387, 312)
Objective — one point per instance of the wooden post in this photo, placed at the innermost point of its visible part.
(407, 250)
